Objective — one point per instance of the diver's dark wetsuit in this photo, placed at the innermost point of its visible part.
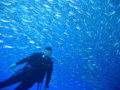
(34, 71)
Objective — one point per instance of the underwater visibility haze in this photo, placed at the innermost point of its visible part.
(84, 36)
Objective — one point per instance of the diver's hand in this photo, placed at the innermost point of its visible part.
(12, 66)
(45, 88)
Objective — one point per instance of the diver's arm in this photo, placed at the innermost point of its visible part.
(12, 66)
(22, 61)
(49, 73)
(28, 59)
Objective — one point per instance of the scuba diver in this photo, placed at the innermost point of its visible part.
(37, 66)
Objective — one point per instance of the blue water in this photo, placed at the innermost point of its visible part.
(84, 36)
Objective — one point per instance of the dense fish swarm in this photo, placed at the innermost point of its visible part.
(84, 36)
